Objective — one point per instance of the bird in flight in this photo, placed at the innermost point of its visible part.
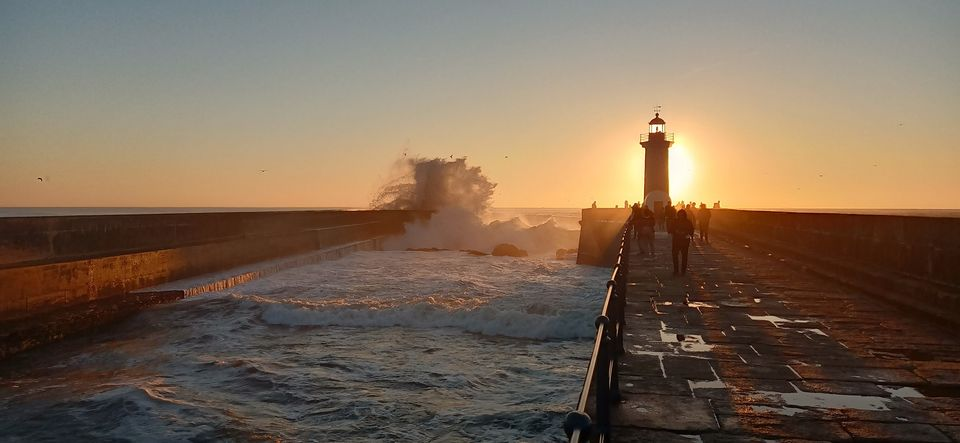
(40, 179)
(263, 170)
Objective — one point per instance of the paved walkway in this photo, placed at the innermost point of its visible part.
(749, 347)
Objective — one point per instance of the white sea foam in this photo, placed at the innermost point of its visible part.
(497, 296)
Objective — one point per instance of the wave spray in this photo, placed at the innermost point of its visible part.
(459, 195)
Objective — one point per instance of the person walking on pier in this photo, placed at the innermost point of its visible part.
(682, 231)
(691, 209)
(669, 215)
(704, 220)
(646, 230)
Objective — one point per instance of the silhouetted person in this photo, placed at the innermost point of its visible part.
(635, 220)
(594, 205)
(703, 217)
(682, 231)
(646, 230)
(658, 216)
(692, 214)
(669, 215)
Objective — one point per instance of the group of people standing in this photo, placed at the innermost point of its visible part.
(679, 221)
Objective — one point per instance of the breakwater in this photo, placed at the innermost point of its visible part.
(59, 275)
(911, 260)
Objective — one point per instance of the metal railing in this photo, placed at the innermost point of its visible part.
(668, 136)
(603, 374)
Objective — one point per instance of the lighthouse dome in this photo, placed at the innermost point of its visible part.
(657, 125)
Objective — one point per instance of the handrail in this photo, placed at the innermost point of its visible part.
(607, 348)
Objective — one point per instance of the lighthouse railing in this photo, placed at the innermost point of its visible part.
(603, 374)
(668, 136)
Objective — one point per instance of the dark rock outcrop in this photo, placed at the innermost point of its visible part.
(506, 249)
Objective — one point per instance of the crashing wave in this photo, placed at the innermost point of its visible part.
(459, 196)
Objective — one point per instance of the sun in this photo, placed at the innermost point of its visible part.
(681, 171)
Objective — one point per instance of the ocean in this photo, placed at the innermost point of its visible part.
(564, 216)
(389, 345)
(376, 346)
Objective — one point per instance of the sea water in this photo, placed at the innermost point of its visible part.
(376, 346)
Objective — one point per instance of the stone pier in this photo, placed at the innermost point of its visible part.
(751, 346)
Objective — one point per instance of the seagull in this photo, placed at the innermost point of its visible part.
(506, 156)
(263, 170)
(40, 179)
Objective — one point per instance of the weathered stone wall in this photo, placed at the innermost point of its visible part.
(48, 263)
(924, 247)
(914, 261)
(35, 240)
(599, 235)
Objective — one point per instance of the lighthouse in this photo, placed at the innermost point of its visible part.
(656, 172)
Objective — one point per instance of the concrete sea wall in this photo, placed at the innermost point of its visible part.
(913, 260)
(599, 230)
(50, 265)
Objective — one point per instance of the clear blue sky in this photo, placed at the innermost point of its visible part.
(776, 104)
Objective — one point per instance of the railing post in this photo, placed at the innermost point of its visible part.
(603, 387)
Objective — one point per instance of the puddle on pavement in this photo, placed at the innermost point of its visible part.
(779, 322)
(716, 383)
(903, 392)
(712, 384)
(776, 321)
(814, 331)
(687, 342)
(785, 410)
(820, 400)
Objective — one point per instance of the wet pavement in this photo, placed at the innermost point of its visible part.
(750, 347)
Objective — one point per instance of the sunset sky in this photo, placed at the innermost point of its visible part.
(813, 104)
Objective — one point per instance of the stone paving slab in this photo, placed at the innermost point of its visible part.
(748, 348)
(873, 431)
(666, 412)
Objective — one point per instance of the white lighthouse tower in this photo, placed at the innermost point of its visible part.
(656, 173)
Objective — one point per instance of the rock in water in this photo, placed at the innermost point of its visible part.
(426, 249)
(506, 249)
